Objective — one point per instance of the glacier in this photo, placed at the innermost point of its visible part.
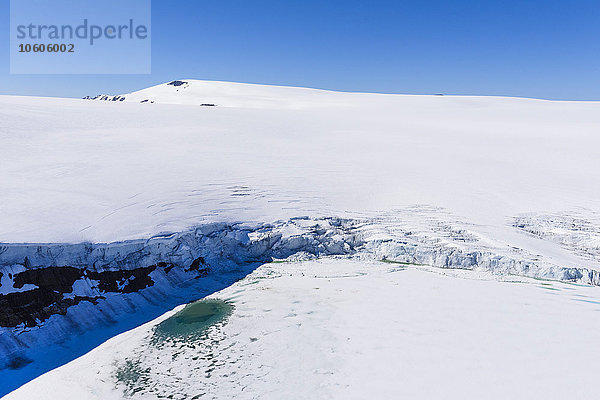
(118, 208)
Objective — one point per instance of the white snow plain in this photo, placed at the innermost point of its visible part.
(80, 170)
(352, 329)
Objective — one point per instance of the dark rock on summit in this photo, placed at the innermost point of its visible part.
(177, 83)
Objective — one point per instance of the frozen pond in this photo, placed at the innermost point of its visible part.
(193, 320)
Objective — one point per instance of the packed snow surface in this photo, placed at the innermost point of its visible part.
(350, 329)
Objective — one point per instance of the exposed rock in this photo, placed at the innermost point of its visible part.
(30, 307)
(196, 266)
(123, 281)
(177, 83)
(105, 97)
(59, 279)
(35, 305)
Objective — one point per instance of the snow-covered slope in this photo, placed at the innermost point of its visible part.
(108, 207)
(75, 170)
(228, 94)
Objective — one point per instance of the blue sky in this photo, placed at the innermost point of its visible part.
(539, 48)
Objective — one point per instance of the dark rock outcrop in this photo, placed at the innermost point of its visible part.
(177, 83)
(123, 281)
(29, 307)
(59, 279)
(35, 305)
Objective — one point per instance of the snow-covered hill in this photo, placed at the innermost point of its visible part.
(112, 212)
(227, 94)
(76, 170)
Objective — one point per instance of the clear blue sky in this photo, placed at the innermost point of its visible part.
(539, 48)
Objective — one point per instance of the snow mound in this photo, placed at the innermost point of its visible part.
(225, 94)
